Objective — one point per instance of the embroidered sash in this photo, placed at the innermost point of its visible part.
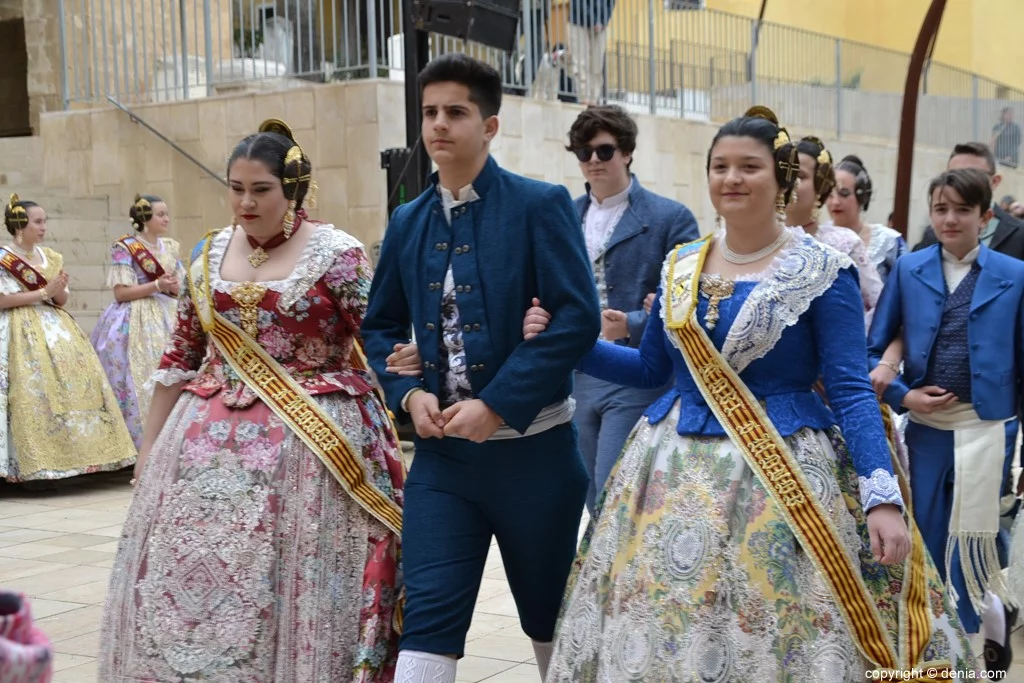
(29, 278)
(770, 458)
(289, 401)
(143, 257)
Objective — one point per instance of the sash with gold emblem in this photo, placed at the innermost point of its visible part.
(778, 470)
(289, 401)
(29, 278)
(142, 256)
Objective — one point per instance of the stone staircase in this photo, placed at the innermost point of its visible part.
(80, 228)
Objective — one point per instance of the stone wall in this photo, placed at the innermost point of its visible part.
(102, 156)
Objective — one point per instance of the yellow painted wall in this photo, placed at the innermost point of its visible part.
(980, 36)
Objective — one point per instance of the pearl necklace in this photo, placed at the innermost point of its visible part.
(743, 259)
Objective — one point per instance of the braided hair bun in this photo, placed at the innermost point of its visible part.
(16, 214)
(824, 173)
(761, 123)
(141, 211)
(862, 187)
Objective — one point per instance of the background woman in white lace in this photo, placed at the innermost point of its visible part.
(692, 570)
(243, 560)
(850, 198)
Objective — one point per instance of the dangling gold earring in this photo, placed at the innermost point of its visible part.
(311, 197)
(815, 213)
(289, 219)
(234, 222)
(780, 209)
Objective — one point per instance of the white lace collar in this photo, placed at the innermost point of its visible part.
(320, 251)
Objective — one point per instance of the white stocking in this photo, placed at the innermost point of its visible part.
(424, 667)
(543, 652)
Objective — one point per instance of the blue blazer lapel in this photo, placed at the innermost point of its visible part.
(629, 226)
(930, 274)
(990, 283)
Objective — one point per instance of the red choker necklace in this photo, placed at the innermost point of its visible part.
(259, 256)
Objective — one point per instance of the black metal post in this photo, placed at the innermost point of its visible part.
(417, 54)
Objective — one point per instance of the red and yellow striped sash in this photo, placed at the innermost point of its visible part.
(143, 257)
(768, 455)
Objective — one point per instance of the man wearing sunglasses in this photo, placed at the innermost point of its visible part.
(628, 231)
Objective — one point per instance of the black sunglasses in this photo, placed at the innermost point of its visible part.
(604, 152)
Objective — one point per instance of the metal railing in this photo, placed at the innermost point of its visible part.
(667, 57)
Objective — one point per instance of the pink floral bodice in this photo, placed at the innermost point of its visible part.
(307, 322)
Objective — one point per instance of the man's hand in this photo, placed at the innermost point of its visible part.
(648, 303)
(536, 320)
(890, 539)
(426, 415)
(613, 325)
(473, 420)
(405, 361)
(927, 400)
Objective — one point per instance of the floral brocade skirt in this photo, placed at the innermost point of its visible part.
(243, 561)
(691, 574)
(129, 339)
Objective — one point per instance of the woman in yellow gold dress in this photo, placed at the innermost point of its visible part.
(146, 276)
(61, 418)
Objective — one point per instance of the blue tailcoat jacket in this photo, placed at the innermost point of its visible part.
(520, 240)
(914, 298)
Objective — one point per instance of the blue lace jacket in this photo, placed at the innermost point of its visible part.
(803, 321)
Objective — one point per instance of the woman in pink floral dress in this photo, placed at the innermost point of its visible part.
(262, 543)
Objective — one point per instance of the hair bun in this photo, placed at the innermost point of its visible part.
(277, 126)
(759, 111)
(853, 158)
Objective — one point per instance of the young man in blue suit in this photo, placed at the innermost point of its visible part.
(496, 450)
(628, 231)
(961, 308)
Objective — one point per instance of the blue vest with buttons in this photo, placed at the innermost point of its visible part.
(950, 364)
(988, 310)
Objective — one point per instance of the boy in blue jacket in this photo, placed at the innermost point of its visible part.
(961, 308)
(496, 450)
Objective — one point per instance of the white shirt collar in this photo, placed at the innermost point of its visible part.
(615, 199)
(466, 194)
(967, 260)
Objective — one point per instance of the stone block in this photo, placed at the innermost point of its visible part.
(329, 106)
(511, 116)
(332, 196)
(211, 115)
(79, 173)
(183, 122)
(366, 182)
(239, 117)
(268, 106)
(300, 109)
(360, 102)
(367, 224)
(106, 151)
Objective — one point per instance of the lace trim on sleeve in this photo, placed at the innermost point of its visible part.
(121, 275)
(169, 377)
(880, 488)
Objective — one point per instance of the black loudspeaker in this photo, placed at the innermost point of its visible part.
(490, 22)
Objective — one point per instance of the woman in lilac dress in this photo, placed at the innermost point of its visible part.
(130, 337)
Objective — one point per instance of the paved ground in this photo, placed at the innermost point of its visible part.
(58, 548)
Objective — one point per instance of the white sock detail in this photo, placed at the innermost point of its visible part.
(424, 667)
(543, 652)
(993, 619)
